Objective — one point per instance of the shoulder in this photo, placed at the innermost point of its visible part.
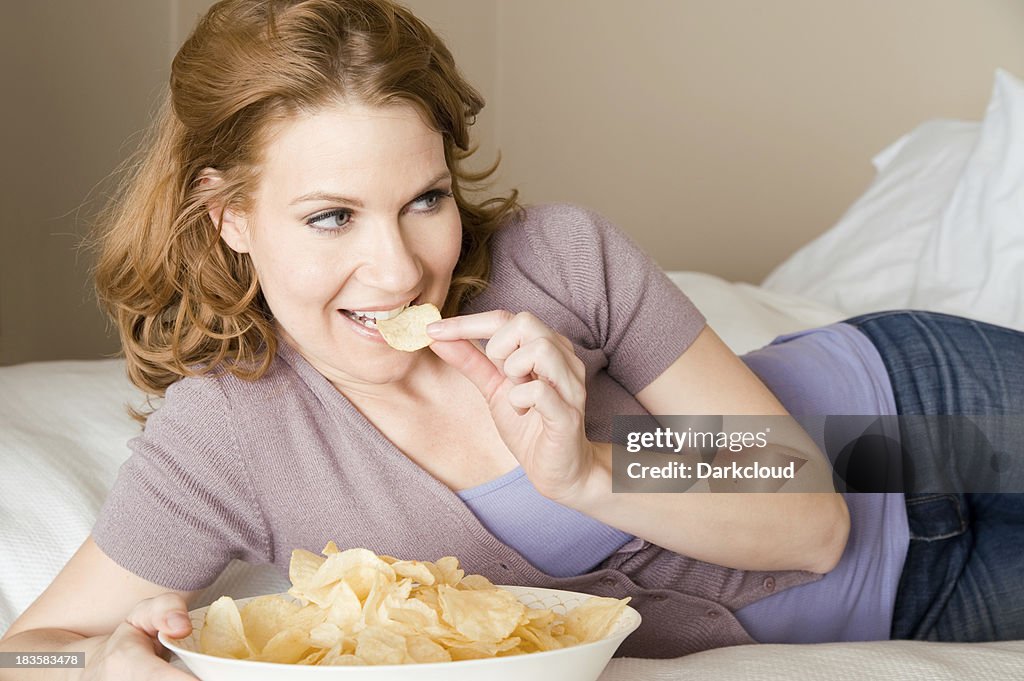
(554, 227)
(567, 236)
(215, 401)
(203, 428)
(562, 247)
(193, 399)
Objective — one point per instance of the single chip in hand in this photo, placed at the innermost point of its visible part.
(408, 331)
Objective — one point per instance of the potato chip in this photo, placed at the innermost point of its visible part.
(359, 568)
(474, 651)
(446, 570)
(287, 647)
(223, 634)
(264, 617)
(302, 572)
(536, 630)
(407, 331)
(345, 609)
(418, 616)
(315, 579)
(326, 635)
(475, 582)
(306, 617)
(379, 645)
(313, 658)
(593, 618)
(340, 656)
(384, 597)
(477, 650)
(485, 616)
(415, 570)
(422, 649)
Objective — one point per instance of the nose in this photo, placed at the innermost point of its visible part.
(391, 264)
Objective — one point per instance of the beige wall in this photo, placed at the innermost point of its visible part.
(722, 134)
(78, 81)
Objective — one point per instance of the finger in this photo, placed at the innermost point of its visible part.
(470, 326)
(167, 612)
(506, 332)
(572, 360)
(519, 330)
(141, 657)
(523, 329)
(557, 341)
(487, 325)
(472, 363)
(545, 359)
(480, 325)
(555, 412)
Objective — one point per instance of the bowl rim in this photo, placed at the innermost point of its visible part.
(630, 627)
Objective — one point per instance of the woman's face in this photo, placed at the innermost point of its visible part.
(353, 214)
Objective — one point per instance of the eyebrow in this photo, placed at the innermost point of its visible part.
(320, 195)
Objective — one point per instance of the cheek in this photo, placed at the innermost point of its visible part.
(289, 279)
(450, 247)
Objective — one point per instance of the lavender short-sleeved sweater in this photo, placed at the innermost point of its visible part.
(228, 468)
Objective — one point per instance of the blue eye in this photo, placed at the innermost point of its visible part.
(338, 220)
(331, 218)
(434, 197)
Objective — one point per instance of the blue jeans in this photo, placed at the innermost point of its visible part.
(963, 579)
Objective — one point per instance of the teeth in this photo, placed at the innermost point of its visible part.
(380, 315)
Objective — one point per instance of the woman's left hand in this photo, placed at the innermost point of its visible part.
(535, 387)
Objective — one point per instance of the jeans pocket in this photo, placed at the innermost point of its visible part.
(936, 516)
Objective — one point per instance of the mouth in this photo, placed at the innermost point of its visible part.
(368, 318)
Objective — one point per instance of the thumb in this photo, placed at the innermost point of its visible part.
(471, 363)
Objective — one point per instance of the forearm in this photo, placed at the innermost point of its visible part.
(749, 531)
(47, 641)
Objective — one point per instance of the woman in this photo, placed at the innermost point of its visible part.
(305, 179)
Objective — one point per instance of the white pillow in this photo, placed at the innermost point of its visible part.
(940, 228)
(972, 262)
(869, 260)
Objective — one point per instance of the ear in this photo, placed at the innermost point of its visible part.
(234, 227)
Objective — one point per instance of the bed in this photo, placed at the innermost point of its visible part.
(941, 228)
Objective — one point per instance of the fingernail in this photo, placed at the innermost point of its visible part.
(178, 621)
(435, 329)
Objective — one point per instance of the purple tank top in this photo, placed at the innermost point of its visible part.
(835, 370)
(558, 540)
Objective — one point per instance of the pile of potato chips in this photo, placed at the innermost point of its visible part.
(357, 608)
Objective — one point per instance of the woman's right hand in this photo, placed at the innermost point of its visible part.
(132, 652)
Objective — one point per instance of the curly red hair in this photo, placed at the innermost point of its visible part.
(183, 302)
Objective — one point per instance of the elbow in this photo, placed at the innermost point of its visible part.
(835, 532)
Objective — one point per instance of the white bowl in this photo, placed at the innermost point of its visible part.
(583, 662)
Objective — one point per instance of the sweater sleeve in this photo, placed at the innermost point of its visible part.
(183, 504)
(633, 311)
